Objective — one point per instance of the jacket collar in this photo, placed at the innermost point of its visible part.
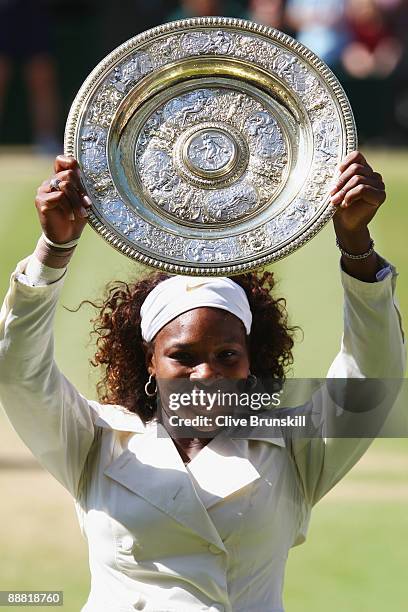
(151, 467)
(111, 416)
(119, 418)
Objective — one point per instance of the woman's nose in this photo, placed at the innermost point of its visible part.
(204, 371)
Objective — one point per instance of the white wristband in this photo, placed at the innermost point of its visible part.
(40, 274)
(63, 245)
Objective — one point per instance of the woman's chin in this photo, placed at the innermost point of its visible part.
(207, 428)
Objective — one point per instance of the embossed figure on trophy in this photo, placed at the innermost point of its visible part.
(103, 186)
(196, 106)
(218, 42)
(288, 67)
(158, 171)
(231, 204)
(327, 139)
(207, 253)
(125, 76)
(166, 48)
(211, 151)
(260, 124)
(93, 143)
(152, 129)
(255, 240)
(299, 212)
(119, 216)
(104, 106)
(166, 132)
(187, 207)
(165, 180)
(270, 142)
(236, 106)
(317, 98)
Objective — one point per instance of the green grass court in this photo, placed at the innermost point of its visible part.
(356, 554)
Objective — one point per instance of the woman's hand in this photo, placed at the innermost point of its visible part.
(358, 195)
(63, 212)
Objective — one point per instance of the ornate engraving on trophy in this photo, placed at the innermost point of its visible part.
(243, 154)
(254, 241)
(288, 67)
(327, 137)
(202, 252)
(217, 41)
(189, 108)
(126, 75)
(267, 136)
(220, 170)
(210, 150)
(93, 146)
(255, 49)
(104, 106)
(230, 204)
(166, 50)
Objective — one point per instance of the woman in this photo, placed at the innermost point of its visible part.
(201, 524)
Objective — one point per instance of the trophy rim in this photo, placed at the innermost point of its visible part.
(87, 89)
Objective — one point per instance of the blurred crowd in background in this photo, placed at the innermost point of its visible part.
(48, 47)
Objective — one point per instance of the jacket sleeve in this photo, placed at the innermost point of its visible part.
(51, 417)
(372, 347)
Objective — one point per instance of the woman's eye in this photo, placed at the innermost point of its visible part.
(181, 356)
(228, 354)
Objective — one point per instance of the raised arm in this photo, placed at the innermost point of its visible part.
(372, 345)
(49, 414)
(373, 340)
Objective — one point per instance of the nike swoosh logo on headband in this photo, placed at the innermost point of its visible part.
(191, 287)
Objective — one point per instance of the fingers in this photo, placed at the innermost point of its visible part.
(355, 181)
(355, 157)
(70, 177)
(67, 168)
(68, 198)
(46, 202)
(63, 210)
(71, 195)
(64, 162)
(356, 170)
(369, 194)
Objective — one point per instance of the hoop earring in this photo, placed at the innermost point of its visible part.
(146, 387)
(251, 381)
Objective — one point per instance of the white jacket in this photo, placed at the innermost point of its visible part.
(213, 535)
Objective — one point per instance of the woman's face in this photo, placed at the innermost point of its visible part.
(202, 350)
(203, 343)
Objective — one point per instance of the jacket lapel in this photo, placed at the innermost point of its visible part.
(110, 416)
(152, 468)
(221, 468)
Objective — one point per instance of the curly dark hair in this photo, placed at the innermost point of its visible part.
(121, 349)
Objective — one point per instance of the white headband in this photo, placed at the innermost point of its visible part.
(179, 294)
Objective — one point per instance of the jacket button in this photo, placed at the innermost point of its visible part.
(127, 543)
(214, 549)
(140, 604)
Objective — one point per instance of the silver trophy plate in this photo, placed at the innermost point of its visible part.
(209, 146)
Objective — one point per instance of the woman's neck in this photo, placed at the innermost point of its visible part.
(189, 447)
(187, 443)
